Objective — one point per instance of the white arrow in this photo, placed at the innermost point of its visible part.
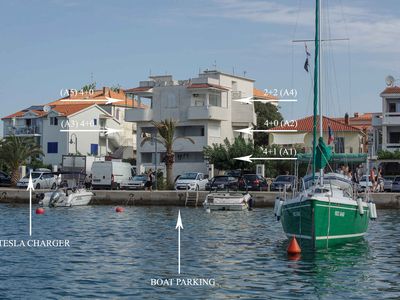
(179, 226)
(250, 159)
(30, 188)
(106, 130)
(250, 130)
(250, 100)
(107, 100)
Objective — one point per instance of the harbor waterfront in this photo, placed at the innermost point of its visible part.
(176, 198)
(232, 255)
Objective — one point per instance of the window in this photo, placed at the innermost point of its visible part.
(339, 145)
(53, 121)
(189, 131)
(94, 149)
(394, 137)
(52, 147)
(392, 107)
(95, 122)
(215, 99)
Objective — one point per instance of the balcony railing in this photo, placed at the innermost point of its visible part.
(138, 115)
(391, 118)
(393, 146)
(23, 130)
(208, 113)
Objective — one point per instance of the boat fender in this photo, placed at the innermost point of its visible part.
(277, 199)
(360, 206)
(279, 210)
(372, 211)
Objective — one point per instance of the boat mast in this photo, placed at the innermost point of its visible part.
(316, 83)
(321, 127)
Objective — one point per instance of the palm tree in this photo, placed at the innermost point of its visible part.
(16, 151)
(166, 137)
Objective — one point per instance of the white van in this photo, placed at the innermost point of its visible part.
(110, 174)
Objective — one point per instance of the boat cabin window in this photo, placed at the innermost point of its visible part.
(321, 190)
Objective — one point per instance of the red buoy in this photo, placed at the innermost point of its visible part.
(293, 247)
(40, 211)
(119, 209)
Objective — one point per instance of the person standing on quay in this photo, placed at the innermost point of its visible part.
(149, 182)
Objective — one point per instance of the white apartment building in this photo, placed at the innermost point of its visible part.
(386, 125)
(45, 123)
(204, 108)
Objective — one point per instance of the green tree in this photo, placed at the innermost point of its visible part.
(166, 137)
(267, 115)
(15, 152)
(223, 155)
(385, 154)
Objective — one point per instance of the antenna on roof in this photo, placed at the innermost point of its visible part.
(215, 65)
(233, 70)
(244, 73)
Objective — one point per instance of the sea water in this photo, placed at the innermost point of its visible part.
(224, 255)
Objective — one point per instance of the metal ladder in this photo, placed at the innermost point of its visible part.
(191, 198)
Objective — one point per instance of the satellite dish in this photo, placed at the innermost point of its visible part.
(47, 108)
(389, 80)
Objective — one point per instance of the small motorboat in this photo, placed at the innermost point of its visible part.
(232, 195)
(228, 201)
(66, 197)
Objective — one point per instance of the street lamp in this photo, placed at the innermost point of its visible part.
(76, 142)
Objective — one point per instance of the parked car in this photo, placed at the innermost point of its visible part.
(363, 183)
(387, 183)
(283, 180)
(5, 179)
(396, 184)
(192, 181)
(225, 182)
(110, 174)
(135, 183)
(41, 180)
(256, 182)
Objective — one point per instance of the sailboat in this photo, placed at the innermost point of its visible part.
(326, 211)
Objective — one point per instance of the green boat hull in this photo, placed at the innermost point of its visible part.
(319, 224)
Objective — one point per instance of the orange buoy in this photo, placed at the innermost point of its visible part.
(293, 247)
(119, 209)
(40, 211)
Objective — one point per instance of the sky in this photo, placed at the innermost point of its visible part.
(49, 45)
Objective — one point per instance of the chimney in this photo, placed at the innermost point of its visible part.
(356, 115)
(106, 91)
(346, 119)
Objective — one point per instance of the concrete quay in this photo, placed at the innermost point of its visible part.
(175, 198)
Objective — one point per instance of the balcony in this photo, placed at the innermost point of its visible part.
(23, 130)
(393, 146)
(180, 145)
(391, 118)
(207, 113)
(138, 115)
